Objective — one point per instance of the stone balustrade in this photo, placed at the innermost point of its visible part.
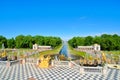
(9, 63)
(60, 63)
(83, 69)
(91, 70)
(3, 63)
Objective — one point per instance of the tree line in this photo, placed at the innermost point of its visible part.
(22, 41)
(108, 42)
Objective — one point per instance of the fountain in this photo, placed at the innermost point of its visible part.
(7, 61)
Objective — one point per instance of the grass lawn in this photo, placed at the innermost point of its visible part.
(77, 53)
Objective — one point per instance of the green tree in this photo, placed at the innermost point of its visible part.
(88, 40)
(47, 40)
(97, 40)
(27, 41)
(80, 41)
(38, 40)
(107, 41)
(11, 43)
(19, 41)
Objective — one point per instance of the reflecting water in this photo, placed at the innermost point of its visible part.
(64, 50)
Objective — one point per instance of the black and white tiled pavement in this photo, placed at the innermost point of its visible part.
(25, 71)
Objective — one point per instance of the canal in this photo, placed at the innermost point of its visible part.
(64, 50)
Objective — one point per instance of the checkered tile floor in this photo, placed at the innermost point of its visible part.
(25, 71)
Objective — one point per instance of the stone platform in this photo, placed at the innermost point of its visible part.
(30, 70)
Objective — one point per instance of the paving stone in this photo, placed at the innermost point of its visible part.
(27, 71)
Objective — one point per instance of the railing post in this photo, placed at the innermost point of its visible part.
(8, 64)
(104, 70)
(37, 62)
(23, 61)
(52, 63)
(70, 64)
(81, 70)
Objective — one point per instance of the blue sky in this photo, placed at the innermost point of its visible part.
(62, 18)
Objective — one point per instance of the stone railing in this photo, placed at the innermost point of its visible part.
(89, 70)
(9, 63)
(60, 63)
(3, 63)
(31, 60)
(82, 69)
(14, 62)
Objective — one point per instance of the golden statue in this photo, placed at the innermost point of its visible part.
(104, 57)
(44, 62)
(62, 57)
(4, 54)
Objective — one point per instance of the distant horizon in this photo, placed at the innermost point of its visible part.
(64, 18)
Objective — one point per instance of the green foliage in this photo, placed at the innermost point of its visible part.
(11, 43)
(28, 41)
(88, 40)
(38, 40)
(107, 42)
(75, 41)
(19, 41)
(22, 41)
